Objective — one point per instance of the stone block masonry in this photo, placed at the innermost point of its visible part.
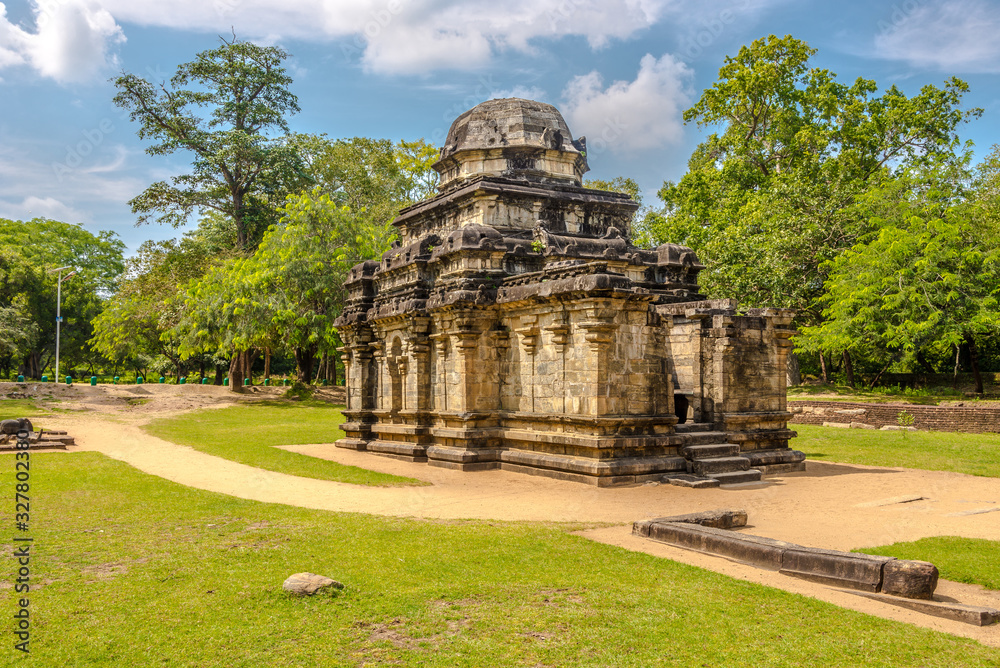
(516, 326)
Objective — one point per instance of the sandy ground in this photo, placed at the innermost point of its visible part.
(829, 505)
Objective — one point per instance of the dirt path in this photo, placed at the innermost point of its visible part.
(829, 505)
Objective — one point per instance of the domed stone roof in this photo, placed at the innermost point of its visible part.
(512, 138)
(509, 121)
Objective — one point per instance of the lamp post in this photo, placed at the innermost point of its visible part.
(59, 309)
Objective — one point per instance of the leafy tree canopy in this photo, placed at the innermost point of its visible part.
(225, 108)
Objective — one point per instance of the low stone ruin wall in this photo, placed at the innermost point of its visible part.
(930, 418)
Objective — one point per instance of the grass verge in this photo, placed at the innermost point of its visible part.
(971, 560)
(974, 454)
(248, 434)
(131, 569)
(17, 408)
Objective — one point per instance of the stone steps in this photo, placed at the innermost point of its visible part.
(706, 437)
(711, 460)
(693, 427)
(707, 465)
(710, 450)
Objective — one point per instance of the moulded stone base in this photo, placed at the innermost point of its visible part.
(352, 444)
(410, 452)
(609, 481)
(459, 466)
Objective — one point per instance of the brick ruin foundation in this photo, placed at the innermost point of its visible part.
(515, 326)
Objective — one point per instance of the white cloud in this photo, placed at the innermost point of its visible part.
(74, 38)
(36, 207)
(954, 35)
(630, 115)
(72, 41)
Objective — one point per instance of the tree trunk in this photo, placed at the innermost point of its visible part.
(974, 362)
(237, 370)
(304, 364)
(31, 367)
(922, 361)
(849, 368)
(954, 376)
(822, 368)
(267, 363)
(793, 374)
(878, 376)
(218, 375)
(333, 360)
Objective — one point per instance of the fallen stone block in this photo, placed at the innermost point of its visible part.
(895, 427)
(862, 425)
(909, 579)
(839, 425)
(15, 425)
(717, 519)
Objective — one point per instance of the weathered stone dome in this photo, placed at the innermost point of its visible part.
(512, 138)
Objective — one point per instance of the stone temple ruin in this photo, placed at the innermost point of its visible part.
(515, 326)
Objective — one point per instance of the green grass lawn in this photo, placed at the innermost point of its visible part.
(975, 454)
(18, 408)
(971, 560)
(133, 570)
(248, 434)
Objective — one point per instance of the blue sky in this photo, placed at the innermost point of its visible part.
(621, 71)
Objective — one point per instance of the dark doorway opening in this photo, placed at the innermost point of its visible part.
(681, 408)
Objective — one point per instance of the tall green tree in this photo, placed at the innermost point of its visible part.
(774, 194)
(929, 278)
(225, 108)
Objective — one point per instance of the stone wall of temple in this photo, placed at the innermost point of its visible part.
(516, 326)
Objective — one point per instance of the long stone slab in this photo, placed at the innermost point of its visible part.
(841, 569)
(754, 550)
(968, 614)
(862, 572)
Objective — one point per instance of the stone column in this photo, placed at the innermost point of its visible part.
(528, 334)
